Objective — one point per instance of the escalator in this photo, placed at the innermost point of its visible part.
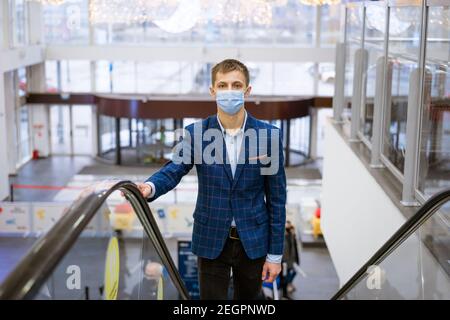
(99, 249)
(414, 264)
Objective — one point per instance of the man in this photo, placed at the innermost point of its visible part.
(239, 219)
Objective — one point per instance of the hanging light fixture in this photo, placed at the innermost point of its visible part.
(181, 15)
(319, 2)
(225, 12)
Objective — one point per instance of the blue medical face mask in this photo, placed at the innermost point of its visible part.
(230, 101)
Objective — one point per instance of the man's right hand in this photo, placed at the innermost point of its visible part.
(145, 189)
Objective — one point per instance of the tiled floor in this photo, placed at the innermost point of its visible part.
(52, 171)
(12, 249)
(319, 280)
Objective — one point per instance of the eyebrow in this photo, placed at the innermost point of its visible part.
(234, 82)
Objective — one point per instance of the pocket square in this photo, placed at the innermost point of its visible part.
(258, 157)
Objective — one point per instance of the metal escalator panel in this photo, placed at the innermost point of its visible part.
(414, 264)
(105, 247)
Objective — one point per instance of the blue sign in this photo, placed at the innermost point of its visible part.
(187, 266)
(161, 213)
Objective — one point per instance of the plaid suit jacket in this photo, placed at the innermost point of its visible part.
(256, 201)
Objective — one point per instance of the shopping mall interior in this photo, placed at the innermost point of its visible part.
(92, 97)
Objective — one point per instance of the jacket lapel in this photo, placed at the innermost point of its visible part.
(244, 152)
(213, 123)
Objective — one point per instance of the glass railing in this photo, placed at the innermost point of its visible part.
(106, 246)
(414, 262)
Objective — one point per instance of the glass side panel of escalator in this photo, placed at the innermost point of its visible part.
(112, 259)
(418, 269)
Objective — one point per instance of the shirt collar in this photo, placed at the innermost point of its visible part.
(240, 130)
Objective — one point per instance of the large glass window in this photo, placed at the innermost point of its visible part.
(217, 22)
(60, 130)
(403, 56)
(67, 23)
(103, 76)
(374, 30)
(183, 77)
(353, 42)
(22, 81)
(51, 76)
(19, 23)
(75, 76)
(281, 78)
(330, 30)
(434, 168)
(107, 132)
(123, 76)
(82, 129)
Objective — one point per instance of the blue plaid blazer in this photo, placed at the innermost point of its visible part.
(257, 202)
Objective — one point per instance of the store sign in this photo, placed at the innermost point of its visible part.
(187, 265)
(45, 215)
(15, 217)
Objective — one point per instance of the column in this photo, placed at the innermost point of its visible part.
(40, 115)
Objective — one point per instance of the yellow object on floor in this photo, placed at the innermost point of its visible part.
(315, 222)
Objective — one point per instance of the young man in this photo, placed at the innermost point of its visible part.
(240, 215)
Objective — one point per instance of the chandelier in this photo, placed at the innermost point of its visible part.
(165, 12)
(181, 15)
(319, 2)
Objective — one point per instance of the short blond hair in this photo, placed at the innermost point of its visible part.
(229, 65)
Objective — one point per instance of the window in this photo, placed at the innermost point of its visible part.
(75, 76)
(19, 23)
(403, 56)
(281, 78)
(22, 81)
(434, 159)
(107, 132)
(67, 23)
(353, 42)
(292, 23)
(375, 17)
(330, 28)
(51, 76)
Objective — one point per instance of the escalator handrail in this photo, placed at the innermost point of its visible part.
(37, 265)
(410, 226)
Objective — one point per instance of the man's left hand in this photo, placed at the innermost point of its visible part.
(270, 271)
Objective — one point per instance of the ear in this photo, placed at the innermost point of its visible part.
(212, 92)
(247, 91)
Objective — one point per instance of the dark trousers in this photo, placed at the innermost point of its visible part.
(214, 274)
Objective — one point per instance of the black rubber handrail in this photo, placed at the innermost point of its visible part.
(410, 226)
(37, 265)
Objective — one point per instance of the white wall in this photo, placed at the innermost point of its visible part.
(40, 116)
(11, 129)
(357, 217)
(4, 190)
